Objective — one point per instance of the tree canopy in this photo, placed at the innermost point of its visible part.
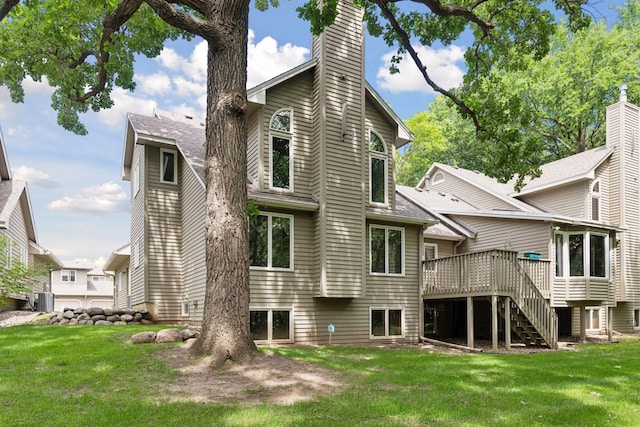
(551, 108)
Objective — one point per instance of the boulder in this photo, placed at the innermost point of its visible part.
(69, 314)
(119, 323)
(84, 316)
(130, 312)
(103, 323)
(89, 322)
(146, 322)
(146, 315)
(189, 333)
(93, 311)
(143, 338)
(118, 311)
(126, 318)
(168, 335)
(137, 317)
(98, 317)
(63, 322)
(109, 312)
(73, 321)
(113, 318)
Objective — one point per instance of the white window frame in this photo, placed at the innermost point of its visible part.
(278, 133)
(380, 156)
(386, 250)
(24, 256)
(136, 254)
(386, 322)
(184, 308)
(270, 216)
(438, 178)
(175, 166)
(69, 274)
(136, 178)
(588, 321)
(596, 197)
(270, 311)
(586, 250)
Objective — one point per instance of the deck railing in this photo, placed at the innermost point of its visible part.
(495, 272)
(539, 271)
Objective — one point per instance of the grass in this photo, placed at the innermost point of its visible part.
(90, 376)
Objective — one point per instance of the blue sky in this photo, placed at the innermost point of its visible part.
(81, 203)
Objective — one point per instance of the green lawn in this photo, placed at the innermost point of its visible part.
(93, 376)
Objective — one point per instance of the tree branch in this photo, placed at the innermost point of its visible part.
(185, 21)
(406, 44)
(6, 7)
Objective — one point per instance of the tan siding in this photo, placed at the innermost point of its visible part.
(510, 234)
(163, 258)
(445, 247)
(376, 122)
(138, 227)
(253, 146)
(469, 193)
(570, 200)
(193, 243)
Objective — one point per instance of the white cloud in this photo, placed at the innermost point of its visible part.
(169, 58)
(124, 102)
(443, 66)
(97, 263)
(98, 199)
(34, 177)
(266, 59)
(153, 84)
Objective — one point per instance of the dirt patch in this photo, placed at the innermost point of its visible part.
(266, 378)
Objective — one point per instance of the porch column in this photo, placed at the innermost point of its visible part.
(609, 324)
(583, 326)
(494, 322)
(507, 323)
(470, 322)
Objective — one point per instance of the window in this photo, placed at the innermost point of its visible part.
(592, 318)
(582, 254)
(24, 256)
(121, 278)
(281, 150)
(136, 253)
(136, 178)
(438, 178)
(595, 201)
(636, 318)
(168, 166)
(185, 308)
(271, 241)
(387, 322)
(430, 252)
(377, 169)
(99, 278)
(68, 275)
(271, 325)
(430, 320)
(386, 246)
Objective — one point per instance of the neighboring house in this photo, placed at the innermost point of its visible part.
(575, 231)
(81, 287)
(117, 267)
(333, 243)
(17, 223)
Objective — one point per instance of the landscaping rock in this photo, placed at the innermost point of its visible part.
(103, 323)
(168, 335)
(146, 322)
(119, 323)
(143, 338)
(92, 311)
(189, 333)
(137, 317)
(126, 318)
(98, 317)
(68, 314)
(113, 318)
(63, 322)
(84, 316)
(73, 321)
(109, 312)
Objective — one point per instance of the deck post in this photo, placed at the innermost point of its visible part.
(507, 323)
(494, 322)
(470, 322)
(583, 326)
(609, 324)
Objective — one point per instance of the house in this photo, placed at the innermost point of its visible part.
(117, 267)
(81, 287)
(333, 243)
(17, 224)
(569, 238)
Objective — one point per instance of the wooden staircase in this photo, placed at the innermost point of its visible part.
(520, 325)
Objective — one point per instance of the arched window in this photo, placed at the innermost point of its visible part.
(377, 169)
(595, 201)
(281, 150)
(438, 178)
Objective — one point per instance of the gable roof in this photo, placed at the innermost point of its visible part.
(482, 182)
(568, 170)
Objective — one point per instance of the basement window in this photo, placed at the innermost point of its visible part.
(271, 325)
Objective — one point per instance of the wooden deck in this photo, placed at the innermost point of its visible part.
(497, 274)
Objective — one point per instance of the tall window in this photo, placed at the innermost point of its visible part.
(281, 150)
(386, 322)
(430, 252)
(68, 275)
(168, 166)
(136, 178)
(636, 318)
(271, 325)
(583, 254)
(592, 318)
(271, 241)
(386, 246)
(377, 169)
(595, 201)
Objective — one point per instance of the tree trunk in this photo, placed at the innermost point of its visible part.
(225, 324)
